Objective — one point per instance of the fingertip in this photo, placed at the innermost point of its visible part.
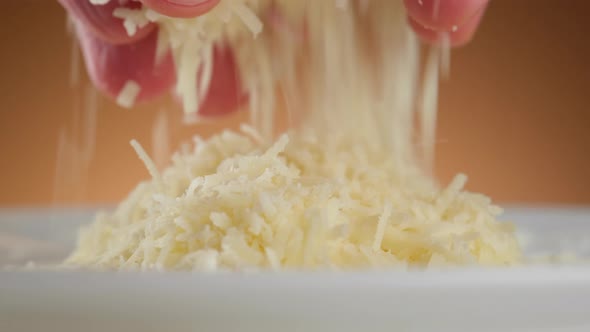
(225, 93)
(443, 15)
(457, 37)
(181, 8)
(111, 66)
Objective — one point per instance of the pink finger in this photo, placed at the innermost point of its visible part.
(99, 20)
(181, 8)
(225, 93)
(460, 36)
(110, 66)
(444, 15)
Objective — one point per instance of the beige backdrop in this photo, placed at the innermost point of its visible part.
(514, 115)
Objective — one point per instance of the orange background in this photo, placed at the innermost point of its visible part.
(514, 116)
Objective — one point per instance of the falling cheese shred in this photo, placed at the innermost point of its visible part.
(128, 94)
(99, 2)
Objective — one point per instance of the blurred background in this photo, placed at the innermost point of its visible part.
(514, 116)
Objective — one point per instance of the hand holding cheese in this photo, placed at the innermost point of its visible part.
(114, 58)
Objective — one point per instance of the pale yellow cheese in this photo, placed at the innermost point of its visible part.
(233, 204)
(345, 189)
(128, 94)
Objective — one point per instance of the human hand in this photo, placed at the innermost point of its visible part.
(112, 57)
(459, 18)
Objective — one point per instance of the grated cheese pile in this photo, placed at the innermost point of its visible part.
(347, 188)
(231, 203)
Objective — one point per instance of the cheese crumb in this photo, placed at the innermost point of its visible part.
(128, 94)
(99, 2)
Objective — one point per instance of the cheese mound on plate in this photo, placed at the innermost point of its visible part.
(232, 203)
